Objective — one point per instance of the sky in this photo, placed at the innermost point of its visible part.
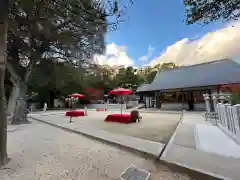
(156, 32)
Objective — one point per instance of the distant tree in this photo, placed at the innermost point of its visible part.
(164, 66)
(206, 11)
(149, 73)
(64, 30)
(150, 76)
(50, 80)
(100, 77)
(128, 78)
(235, 98)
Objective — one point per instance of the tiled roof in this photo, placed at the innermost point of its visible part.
(207, 74)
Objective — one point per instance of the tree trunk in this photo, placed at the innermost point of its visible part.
(17, 101)
(3, 115)
(20, 114)
(12, 100)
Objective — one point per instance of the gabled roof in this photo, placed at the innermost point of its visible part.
(143, 87)
(206, 74)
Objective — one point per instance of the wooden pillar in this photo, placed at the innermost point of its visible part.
(211, 102)
(158, 98)
(149, 100)
(145, 100)
(161, 99)
(182, 99)
(218, 89)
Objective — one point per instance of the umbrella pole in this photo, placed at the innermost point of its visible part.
(121, 107)
(121, 103)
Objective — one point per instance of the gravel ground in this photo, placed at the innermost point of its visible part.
(156, 127)
(42, 152)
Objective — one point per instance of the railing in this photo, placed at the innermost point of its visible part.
(107, 106)
(228, 119)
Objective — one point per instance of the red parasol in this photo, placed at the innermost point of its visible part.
(120, 91)
(76, 95)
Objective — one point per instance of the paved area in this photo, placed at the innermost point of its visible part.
(210, 138)
(42, 152)
(157, 127)
(183, 151)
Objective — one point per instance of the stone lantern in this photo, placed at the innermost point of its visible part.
(215, 101)
(207, 103)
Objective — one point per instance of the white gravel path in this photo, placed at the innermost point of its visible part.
(42, 152)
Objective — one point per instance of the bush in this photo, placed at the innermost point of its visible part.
(236, 98)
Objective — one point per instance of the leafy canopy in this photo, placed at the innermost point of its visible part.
(207, 11)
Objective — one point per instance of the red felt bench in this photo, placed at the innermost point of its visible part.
(121, 118)
(101, 109)
(74, 113)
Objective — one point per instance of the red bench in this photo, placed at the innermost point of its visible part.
(121, 118)
(101, 109)
(74, 113)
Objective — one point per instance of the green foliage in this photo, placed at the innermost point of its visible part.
(127, 78)
(148, 74)
(52, 79)
(55, 79)
(70, 30)
(100, 77)
(63, 30)
(236, 98)
(205, 11)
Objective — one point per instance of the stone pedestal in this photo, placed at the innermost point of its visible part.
(225, 97)
(221, 97)
(215, 101)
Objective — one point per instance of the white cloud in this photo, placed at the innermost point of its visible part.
(220, 44)
(143, 58)
(149, 54)
(114, 56)
(150, 50)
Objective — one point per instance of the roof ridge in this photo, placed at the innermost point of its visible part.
(183, 67)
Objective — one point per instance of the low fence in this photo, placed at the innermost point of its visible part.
(131, 104)
(228, 119)
(107, 106)
(180, 106)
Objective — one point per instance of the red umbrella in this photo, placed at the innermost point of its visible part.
(76, 95)
(120, 91)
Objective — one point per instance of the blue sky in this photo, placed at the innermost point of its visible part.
(157, 24)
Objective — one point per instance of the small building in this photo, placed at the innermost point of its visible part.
(183, 87)
(94, 94)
